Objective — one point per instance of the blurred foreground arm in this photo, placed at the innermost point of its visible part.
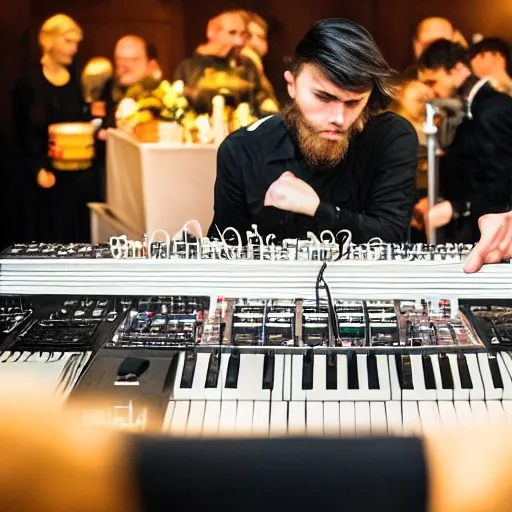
(50, 462)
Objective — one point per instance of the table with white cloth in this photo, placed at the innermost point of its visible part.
(152, 186)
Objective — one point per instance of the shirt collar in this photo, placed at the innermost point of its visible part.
(280, 146)
(474, 91)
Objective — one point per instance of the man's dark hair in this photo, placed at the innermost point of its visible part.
(493, 45)
(443, 54)
(348, 56)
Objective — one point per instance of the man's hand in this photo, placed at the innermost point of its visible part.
(441, 214)
(292, 194)
(45, 179)
(420, 212)
(495, 242)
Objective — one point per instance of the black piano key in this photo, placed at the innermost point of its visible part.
(331, 371)
(497, 380)
(212, 375)
(189, 368)
(233, 369)
(399, 370)
(373, 375)
(465, 376)
(307, 370)
(406, 369)
(428, 372)
(353, 374)
(446, 372)
(268, 371)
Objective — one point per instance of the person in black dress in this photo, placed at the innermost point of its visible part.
(56, 200)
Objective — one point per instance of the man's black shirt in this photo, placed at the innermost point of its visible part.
(370, 192)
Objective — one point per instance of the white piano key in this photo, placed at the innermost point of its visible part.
(479, 411)
(319, 391)
(287, 378)
(394, 417)
(463, 412)
(420, 392)
(180, 418)
(244, 418)
(447, 413)
(396, 391)
(261, 419)
(495, 410)
(505, 376)
(282, 377)
(347, 418)
(363, 420)
(429, 415)
(227, 420)
(477, 392)
(211, 418)
(297, 418)
(4, 356)
(491, 393)
(195, 418)
(315, 418)
(459, 393)
(441, 393)
(507, 359)
(166, 426)
(507, 407)
(362, 373)
(379, 425)
(331, 419)
(250, 380)
(384, 378)
(296, 387)
(411, 418)
(278, 419)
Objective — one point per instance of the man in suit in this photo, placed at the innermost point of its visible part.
(476, 172)
(490, 57)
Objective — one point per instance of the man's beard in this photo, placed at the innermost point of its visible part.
(318, 151)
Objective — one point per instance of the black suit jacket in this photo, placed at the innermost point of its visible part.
(476, 173)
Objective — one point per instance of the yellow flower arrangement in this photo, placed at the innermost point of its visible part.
(153, 100)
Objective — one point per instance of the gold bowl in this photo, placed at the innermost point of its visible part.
(71, 146)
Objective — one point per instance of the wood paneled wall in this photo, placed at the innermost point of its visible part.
(14, 37)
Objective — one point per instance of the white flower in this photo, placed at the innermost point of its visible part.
(126, 108)
(178, 87)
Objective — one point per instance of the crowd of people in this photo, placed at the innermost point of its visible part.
(469, 86)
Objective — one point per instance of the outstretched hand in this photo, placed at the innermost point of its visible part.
(495, 242)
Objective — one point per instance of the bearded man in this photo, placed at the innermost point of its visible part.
(333, 159)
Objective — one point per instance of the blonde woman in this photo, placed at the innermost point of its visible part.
(49, 94)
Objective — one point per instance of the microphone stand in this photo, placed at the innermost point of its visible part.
(430, 130)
